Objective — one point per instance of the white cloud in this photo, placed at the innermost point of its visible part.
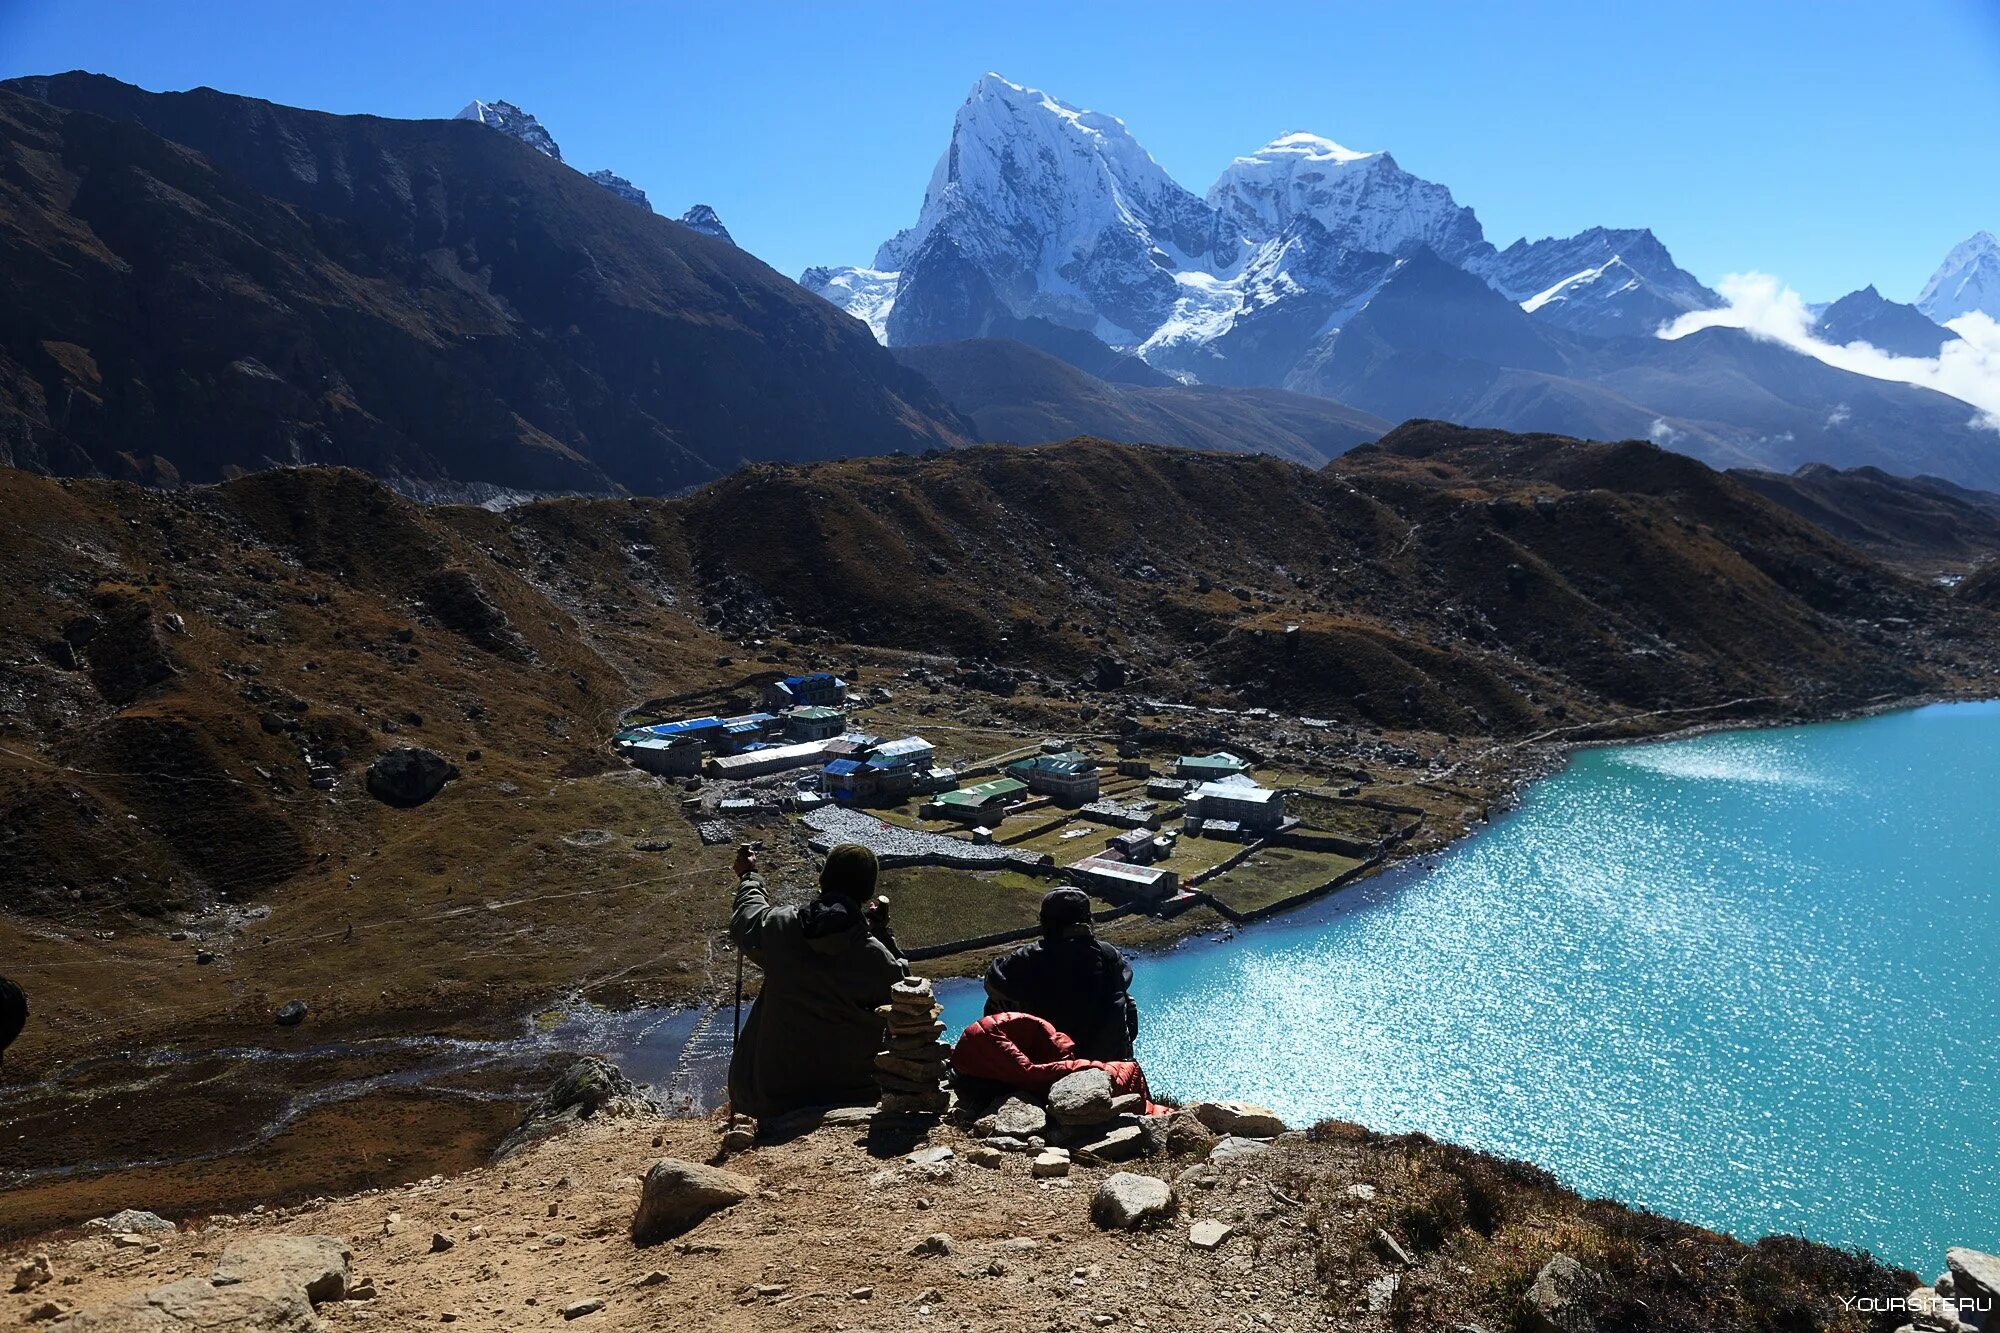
(1662, 434)
(1757, 303)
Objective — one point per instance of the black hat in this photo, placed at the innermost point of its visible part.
(850, 872)
(1063, 909)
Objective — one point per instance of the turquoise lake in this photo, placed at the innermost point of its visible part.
(1749, 979)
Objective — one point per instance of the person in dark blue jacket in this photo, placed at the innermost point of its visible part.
(1076, 981)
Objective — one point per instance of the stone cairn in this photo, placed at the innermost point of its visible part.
(914, 1070)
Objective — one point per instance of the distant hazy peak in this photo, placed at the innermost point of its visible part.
(511, 120)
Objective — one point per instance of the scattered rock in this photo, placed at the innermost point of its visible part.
(653, 1278)
(929, 1156)
(1082, 1098)
(1180, 1133)
(1243, 1119)
(1392, 1249)
(441, 1242)
(291, 1013)
(316, 1265)
(1050, 1164)
(587, 1088)
(985, 1156)
(1018, 1119)
(935, 1243)
(1557, 1300)
(1236, 1150)
(677, 1195)
(265, 1306)
(1208, 1234)
(32, 1274)
(1382, 1291)
(1120, 1145)
(408, 777)
(131, 1219)
(1126, 1201)
(578, 1309)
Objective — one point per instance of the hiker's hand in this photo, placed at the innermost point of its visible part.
(878, 914)
(746, 862)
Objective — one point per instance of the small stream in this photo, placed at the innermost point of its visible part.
(680, 1054)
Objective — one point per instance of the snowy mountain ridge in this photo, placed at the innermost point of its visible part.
(1041, 209)
(512, 121)
(1967, 281)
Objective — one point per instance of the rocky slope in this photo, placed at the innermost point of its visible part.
(1920, 519)
(856, 1224)
(426, 299)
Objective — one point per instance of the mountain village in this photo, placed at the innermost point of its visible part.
(1141, 824)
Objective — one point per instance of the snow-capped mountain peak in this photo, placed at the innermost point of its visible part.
(1968, 280)
(1364, 200)
(1062, 210)
(511, 120)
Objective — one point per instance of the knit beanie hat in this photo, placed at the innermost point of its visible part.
(850, 872)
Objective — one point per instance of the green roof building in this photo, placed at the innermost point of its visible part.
(1209, 767)
(983, 802)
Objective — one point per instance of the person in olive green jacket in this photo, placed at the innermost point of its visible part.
(813, 1032)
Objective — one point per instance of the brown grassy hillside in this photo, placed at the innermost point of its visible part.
(175, 666)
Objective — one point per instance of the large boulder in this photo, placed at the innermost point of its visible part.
(196, 1305)
(677, 1196)
(316, 1265)
(1558, 1301)
(592, 1086)
(1127, 1201)
(1975, 1276)
(130, 1219)
(1082, 1098)
(409, 776)
(1243, 1119)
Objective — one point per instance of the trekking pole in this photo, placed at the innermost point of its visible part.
(736, 1027)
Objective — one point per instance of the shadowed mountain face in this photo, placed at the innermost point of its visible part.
(1926, 517)
(1447, 574)
(1015, 394)
(1900, 330)
(197, 284)
(1437, 341)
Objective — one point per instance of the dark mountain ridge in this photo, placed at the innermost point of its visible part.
(1015, 394)
(199, 283)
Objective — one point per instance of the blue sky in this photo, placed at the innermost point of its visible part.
(1831, 143)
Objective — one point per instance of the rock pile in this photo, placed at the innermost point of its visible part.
(913, 1070)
